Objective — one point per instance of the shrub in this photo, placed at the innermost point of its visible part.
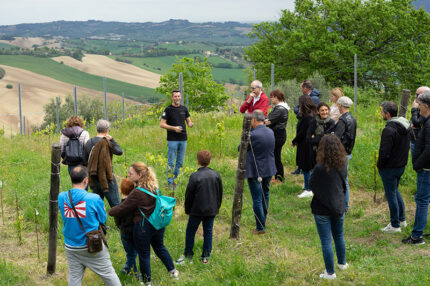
(2, 73)
(9, 86)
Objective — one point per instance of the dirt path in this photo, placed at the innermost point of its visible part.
(105, 66)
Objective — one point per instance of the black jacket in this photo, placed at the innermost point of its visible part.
(329, 190)
(93, 141)
(305, 156)
(328, 128)
(417, 122)
(125, 223)
(203, 196)
(346, 129)
(394, 147)
(421, 156)
(278, 117)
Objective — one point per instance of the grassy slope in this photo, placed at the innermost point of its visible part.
(289, 254)
(5, 46)
(162, 65)
(51, 68)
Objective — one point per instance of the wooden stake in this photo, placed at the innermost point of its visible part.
(53, 207)
(404, 102)
(240, 177)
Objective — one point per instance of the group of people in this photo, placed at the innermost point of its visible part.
(325, 139)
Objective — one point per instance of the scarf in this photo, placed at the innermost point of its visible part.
(321, 123)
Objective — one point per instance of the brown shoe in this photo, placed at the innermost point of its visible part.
(258, 231)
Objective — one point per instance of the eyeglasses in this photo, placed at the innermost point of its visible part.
(254, 87)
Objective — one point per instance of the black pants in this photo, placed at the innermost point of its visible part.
(280, 138)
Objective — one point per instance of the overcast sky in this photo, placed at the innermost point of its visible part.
(38, 11)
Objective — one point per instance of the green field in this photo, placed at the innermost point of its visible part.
(5, 46)
(289, 253)
(61, 72)
(162, 65)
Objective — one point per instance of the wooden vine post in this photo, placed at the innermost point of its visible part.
(240, 177)
(53, 207)
(404, 102)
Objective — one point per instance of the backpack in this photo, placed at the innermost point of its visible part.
(163, 211)
(74, 151)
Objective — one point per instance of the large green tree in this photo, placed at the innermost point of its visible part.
(203, 91)
(390, 37)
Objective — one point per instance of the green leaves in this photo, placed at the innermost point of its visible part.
(203, 92)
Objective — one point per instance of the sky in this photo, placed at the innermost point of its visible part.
(38, 11)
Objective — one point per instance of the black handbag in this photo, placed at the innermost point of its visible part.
(95, 238)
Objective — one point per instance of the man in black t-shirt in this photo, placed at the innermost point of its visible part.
(173, 120)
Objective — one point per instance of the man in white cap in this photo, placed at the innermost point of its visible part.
(346, 129)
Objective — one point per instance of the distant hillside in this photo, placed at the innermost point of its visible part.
(172, 30)
(423, 4)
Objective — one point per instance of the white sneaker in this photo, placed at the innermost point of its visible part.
(327, 276)
(174, 274)
(390, 229)
(403, 223)
(306, 194)
(343, 266)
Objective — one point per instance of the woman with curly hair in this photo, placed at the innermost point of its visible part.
(328, 204)
(74, 129)
(144, 234)
(325, 125)
(305, 156)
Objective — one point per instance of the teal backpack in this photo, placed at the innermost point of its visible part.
(163, 211)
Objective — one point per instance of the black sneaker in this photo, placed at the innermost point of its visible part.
(296, 172)
(411, 240)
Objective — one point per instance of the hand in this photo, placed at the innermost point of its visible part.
(267, 121)
(178, 129)
(191, 124)
(108, 137)
(251, 97)
(313, 136)
(415, 104)
(292, 145)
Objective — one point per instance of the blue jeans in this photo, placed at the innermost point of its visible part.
(348, 157)
(175, 150)
(327, 227)
(131, 253)
(192, 226)
(306, 176)
(412, 149)
(391, 178)
(112, 195)
(422, 199)
(144, 237)
(260, 200)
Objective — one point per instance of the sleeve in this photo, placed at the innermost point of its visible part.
(87, 147)
(127, 206)
(330, 127)
(245, 106)
(220, 191)
(296, 110)
(100, 210)
(416, 118)
(313, 180)
(301, 130)
(387, 142)
(423, 158)
(85, 137)
(339, 129)
(165, 114)
(115, 148)
(63, 142)
(189, 194)
(187, 113)
(265, 104)
(274, 116)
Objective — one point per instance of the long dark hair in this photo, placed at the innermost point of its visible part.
(331, 153)
(306, 106)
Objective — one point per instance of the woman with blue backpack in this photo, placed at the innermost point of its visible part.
(144, 201)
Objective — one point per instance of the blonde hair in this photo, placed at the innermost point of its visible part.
(337, 92)
(148, 180)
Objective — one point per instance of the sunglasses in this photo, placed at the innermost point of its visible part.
(254, 87)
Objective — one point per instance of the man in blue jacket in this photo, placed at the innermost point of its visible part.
(260, 167)
(90, 209)
(421, 164)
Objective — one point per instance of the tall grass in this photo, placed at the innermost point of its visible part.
(290, 252)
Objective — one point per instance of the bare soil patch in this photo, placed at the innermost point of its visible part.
(28, 43)
(105, 66)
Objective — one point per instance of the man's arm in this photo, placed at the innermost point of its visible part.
(246, 104)
(100, 210)
(163, 124)
(189, 122)
(387, 142)
(189, 195)
(115, 147)
(339, 129)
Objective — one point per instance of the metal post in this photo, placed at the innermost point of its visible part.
(104, 87)
(355, 85)
(272, 81)
(181, 87)
(53, 207)
(254, 74)
(57, 114)
(123, 108)
(76, 100)
(20, 109)
(240, 177)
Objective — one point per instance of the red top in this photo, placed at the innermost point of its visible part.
(262, 104)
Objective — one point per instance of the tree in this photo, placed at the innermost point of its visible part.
(204, 93)
(390, 38)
